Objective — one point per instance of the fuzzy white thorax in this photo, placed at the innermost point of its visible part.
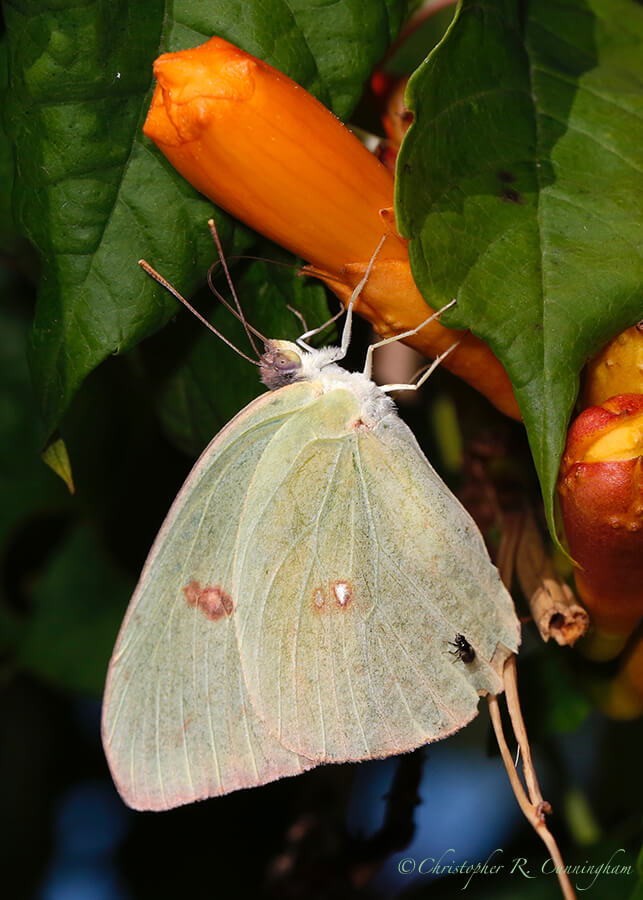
(285, 363)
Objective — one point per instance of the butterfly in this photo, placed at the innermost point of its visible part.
(294, 607)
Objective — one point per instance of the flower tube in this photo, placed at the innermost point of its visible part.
(258, 145)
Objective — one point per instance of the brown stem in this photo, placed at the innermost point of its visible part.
(533, 811)
(516, 783)
(534, 808)
(520, 732)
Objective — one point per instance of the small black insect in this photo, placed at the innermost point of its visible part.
(463, 649)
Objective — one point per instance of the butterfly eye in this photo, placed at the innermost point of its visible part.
(279, 366)
(287, 363)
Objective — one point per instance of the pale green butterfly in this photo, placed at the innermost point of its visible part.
(298, 603)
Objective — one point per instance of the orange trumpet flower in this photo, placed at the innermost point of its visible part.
(261, 147)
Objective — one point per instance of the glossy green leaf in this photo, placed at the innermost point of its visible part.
(329, 48)
(94, 195)
(520, 186)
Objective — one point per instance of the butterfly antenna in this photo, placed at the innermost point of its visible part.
(297, 313)
(215, 237)
(327, 277)
(303, 269)
(171, 290)
(222, 300)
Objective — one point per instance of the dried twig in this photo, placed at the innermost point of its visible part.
(533, 812)
(553, 605)
(512, 525)
(518, 724)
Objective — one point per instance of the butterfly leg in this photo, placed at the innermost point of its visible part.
(301, 341)
(348, 324)
(368, 365)
(387, 388)
(346, 333)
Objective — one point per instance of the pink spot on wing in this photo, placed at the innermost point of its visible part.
(214, 602)
(343, 593)
(333, 597)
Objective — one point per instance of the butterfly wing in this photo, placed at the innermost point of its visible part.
(356, 567)
(178, 725)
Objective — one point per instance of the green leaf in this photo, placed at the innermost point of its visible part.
(27, 488)
(30, 492)
(94, 195)
(76, 616)
(414, 49)
(549, 690)
(329, 48)
(520, 186)
(55, 455)
(7, 226)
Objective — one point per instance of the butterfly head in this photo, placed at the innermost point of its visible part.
(280, 364)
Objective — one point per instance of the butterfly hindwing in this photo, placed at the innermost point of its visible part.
(355, 567)
(177, 721)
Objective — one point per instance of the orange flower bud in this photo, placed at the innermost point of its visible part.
(617, 369)
(396, 118)
(261, 147)
(601, 497)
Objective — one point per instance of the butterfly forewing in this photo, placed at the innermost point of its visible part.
(177, 721)
(355, 567)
